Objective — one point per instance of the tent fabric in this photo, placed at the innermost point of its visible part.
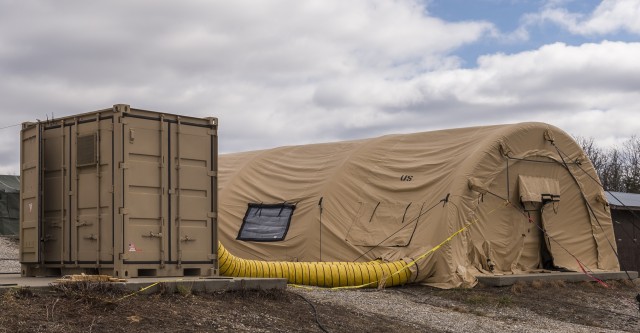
(399, 196)
(9, 204)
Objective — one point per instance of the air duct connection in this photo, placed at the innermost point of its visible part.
(320, 274)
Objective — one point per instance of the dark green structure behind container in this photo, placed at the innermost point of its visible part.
(9, 204)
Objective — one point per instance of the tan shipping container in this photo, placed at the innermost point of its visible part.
(120, 191)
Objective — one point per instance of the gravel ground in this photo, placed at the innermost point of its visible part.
(9, 255)
(529, 307)
(441, 314)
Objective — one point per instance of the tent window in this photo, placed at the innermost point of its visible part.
(266, 223)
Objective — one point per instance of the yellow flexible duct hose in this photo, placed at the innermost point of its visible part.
(320, 274)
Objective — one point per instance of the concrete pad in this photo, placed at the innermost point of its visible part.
(156, 284)
(507, 280)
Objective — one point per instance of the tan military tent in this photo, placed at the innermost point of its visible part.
(505, 199)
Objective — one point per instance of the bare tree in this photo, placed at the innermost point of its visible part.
(612, 172)
(617, 167)
(596, 155)
(630, 154)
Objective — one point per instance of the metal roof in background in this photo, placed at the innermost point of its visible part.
(9, 183)
(621, 199)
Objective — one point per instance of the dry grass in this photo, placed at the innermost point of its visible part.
(518, 287)
(587, 284)
(478, 300)
(628, 283)
(537, 284)
(558, 284)
(505, 300)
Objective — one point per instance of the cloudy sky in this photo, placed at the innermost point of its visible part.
(284, 72)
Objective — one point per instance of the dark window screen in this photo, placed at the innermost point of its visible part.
(266, 222)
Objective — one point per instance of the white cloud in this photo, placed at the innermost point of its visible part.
(611, 16)
(254, 64)
(286, 72)
(590, 90)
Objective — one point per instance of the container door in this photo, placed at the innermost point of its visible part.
(93, 218)
(55, 189)
(144, 179)
(30, 195)
(192, 217)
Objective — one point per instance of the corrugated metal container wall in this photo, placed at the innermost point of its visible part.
(121, 191)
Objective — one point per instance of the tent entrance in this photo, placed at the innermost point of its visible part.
(538, 196)
(535, 250)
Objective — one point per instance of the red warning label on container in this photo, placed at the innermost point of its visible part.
(132, 248)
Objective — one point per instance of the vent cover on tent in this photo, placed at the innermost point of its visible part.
(538, 189)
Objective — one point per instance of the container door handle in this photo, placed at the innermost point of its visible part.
(187, 239)
(153, 235)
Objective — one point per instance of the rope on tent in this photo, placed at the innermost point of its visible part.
(565, 164)
(591, 212)
(560, 153)
(610, 193)
(593, 277)
(580, 263)
(584, 198)
(536, 161)
(320, 207)
(416, 219)
(337, 275)
(508, 182)
(434, 249)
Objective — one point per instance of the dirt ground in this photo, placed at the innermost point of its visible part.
(533, 307)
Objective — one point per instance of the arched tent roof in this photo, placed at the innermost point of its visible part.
(399, 196)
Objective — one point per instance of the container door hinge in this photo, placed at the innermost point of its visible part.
(123, 211)
(123, 165)
(212, 173)
(212, 214)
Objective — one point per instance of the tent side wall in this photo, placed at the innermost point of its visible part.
(403, 196)
(377, 195)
